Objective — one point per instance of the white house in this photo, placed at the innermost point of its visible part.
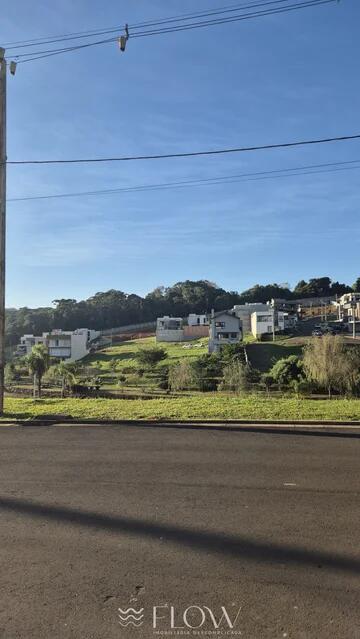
(27, 342)
(267, 322)
(70, 345)
(225, 328)
(198, 320)
(244, 312)
(64, 345)
(169, 329)
(348, 309)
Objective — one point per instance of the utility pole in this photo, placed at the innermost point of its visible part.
(273, 324)
(353, 306)
(2, 219)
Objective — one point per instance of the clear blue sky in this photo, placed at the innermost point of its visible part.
(273, 79)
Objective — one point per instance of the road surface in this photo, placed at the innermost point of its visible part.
(180, 523)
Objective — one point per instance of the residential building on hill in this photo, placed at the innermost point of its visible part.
(175, 329)
(64, 345)
(268, 322)
(198, 320)
(225, 328)
(348, 310)
(244, 312)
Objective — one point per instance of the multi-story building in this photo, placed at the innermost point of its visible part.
(225, 328)
(63, 345)
(169, 329)
(348, 308)
(175, 329)
(198, 320)
(268, 322)
(244, 312)
(27, 342)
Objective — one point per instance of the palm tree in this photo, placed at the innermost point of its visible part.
(38, 363)
(66, 371)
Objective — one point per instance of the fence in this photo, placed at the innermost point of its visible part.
(129, 328)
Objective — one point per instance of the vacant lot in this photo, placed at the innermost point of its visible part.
(124, 354)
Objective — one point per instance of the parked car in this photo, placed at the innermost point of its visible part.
(317, 333)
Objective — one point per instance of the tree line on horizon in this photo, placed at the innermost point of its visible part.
(115, 308)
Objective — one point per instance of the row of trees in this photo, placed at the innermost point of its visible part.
(116, 308)
(326, 365)
(38, 365)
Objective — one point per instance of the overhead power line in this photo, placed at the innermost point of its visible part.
(172, 25)
(243, 149)
(149, 23)
(309, 169)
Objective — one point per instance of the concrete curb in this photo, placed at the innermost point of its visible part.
(300, 426)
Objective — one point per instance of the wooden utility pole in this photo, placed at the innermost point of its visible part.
(2, 219)
(353, 306)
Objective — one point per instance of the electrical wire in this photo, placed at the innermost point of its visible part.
(37, 55)
(182, 17)
(244, 149)
(197, 25)
(310, 169)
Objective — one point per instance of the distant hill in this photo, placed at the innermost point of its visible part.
(116, 308)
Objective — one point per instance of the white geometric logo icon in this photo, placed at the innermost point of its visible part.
(131, 617)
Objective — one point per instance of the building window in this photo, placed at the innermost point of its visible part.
(234, 335)
(220, 324)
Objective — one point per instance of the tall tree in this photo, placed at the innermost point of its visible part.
(38, 362)
(326, 362)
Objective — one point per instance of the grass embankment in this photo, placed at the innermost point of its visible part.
(262, 355)
(203, 407)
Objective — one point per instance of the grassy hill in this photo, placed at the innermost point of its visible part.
(118, 368)
(124, 353)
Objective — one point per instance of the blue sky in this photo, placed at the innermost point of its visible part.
(279, 78)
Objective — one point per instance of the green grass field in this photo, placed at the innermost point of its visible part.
(124, 353)
(199, 407)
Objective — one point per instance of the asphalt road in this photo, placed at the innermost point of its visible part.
(93, 518)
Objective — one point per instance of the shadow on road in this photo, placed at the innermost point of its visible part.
(257, 427)
(215, 542)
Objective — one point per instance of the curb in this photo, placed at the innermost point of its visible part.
(300, 426)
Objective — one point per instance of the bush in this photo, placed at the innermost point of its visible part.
(332, 365)
(206, 372)
(232, 352)
(181, 376)
(10, 374)
(163, 378)
(235, 377)
(150, 357)
(287, 370)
